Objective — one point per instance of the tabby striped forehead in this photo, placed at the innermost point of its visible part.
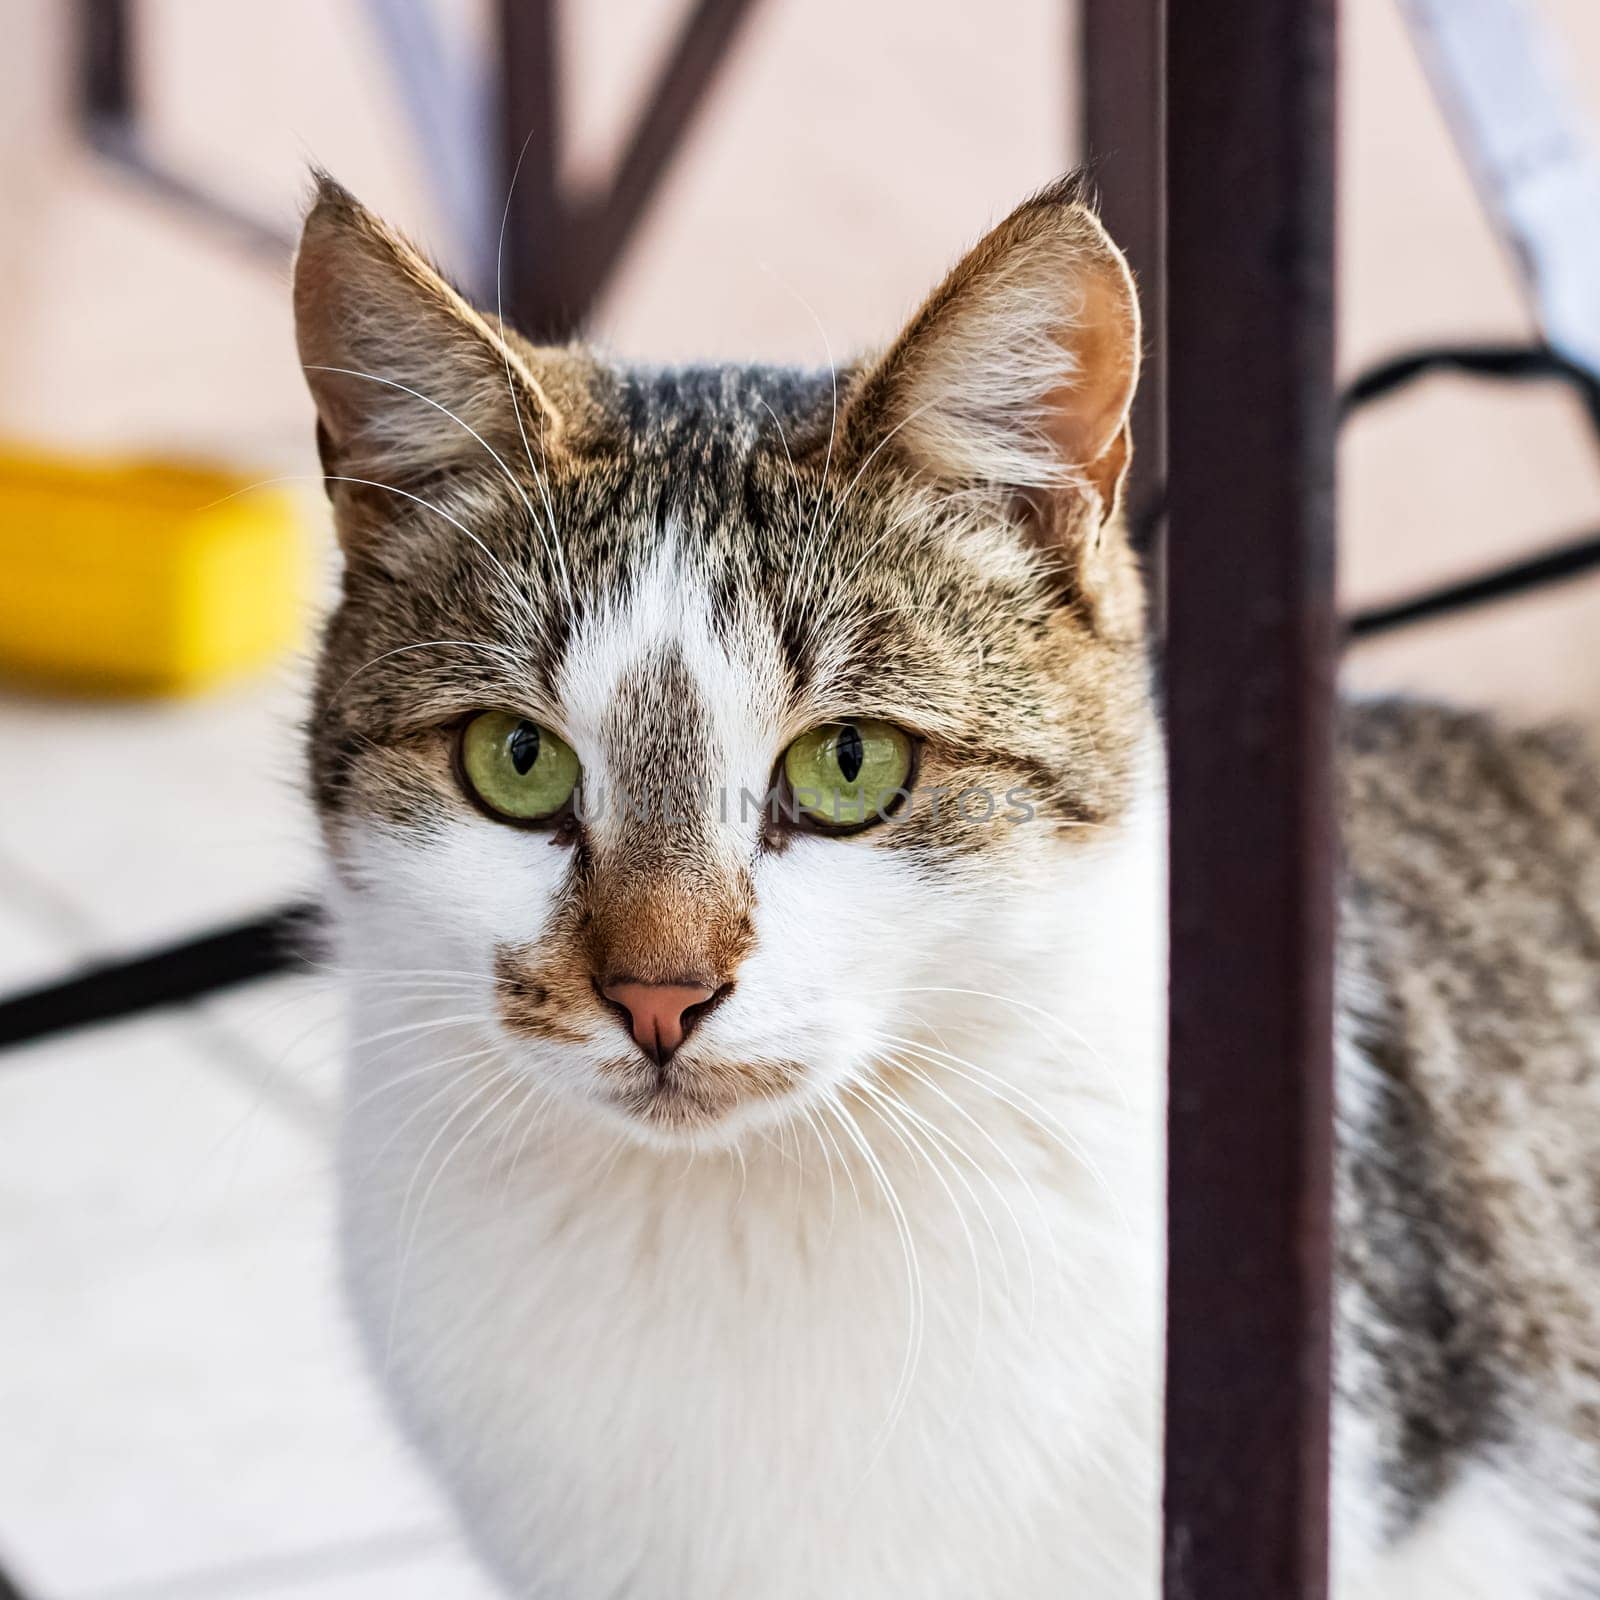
(720, 501)
(684, 601)
(674, 703)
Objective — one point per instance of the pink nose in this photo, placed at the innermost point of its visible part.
(660, 1014)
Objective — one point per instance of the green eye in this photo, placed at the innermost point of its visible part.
(516, 768)
(847, 774)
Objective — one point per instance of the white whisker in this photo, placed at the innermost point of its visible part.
(914, 1286)
(416, 394)
(1041, 1016)
(1024, 1104)
(901, 1130)
(433, 1182)
(514, 593)
(553, 543)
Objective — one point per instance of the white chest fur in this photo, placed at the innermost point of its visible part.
(908, 1347)
(642, 1374)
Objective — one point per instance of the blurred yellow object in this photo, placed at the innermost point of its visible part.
(141, 576)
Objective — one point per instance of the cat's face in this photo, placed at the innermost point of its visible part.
(709, 725)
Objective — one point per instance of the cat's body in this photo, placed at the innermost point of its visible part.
(1469, 1055)
(844, 1279)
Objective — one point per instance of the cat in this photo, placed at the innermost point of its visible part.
(744, 799)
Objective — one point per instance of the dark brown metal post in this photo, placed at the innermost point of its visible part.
(1121, 55)
(538, 267)
(105, 41)
(1250, 652)
(560, 249)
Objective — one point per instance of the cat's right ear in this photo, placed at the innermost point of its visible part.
(408, 379)
(1018, 374)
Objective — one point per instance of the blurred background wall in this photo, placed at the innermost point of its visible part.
(849, 153)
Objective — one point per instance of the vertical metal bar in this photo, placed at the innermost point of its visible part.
(105, 42)
(1121, 60)
(559, 255)
(1250, 652)
(540, 276)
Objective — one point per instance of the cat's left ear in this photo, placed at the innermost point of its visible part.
(409, 378)
(1019, 372)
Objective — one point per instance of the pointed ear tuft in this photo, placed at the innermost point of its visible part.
(408, 378)
(1019, 371)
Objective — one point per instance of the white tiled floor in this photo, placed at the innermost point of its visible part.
(182, 1412)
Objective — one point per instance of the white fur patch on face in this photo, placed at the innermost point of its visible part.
(449, 899)
(668, 608)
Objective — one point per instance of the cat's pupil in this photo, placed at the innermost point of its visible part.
(848, 752)
(523, 746)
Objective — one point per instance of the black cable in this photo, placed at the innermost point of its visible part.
(1564, 561)
(175, 973)
(1516, 363)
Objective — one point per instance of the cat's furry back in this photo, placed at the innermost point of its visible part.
(1469, 1288)
(858, 1295)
